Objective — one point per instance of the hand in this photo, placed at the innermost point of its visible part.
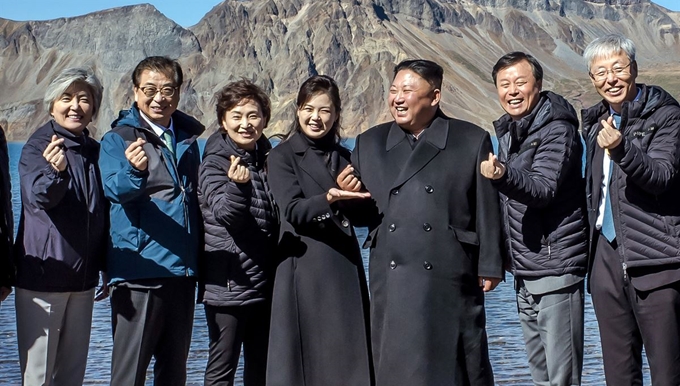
(348, 181)
(238, 172)
(136, 156)
(608, 137)
(492, 168)
(103, 291)
(335, 194)
(54, 154)
(4, 293)
(488, 283)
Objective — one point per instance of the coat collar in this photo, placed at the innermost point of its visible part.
(434, 141)
(310, 162)
(437, 134)
(70, 139)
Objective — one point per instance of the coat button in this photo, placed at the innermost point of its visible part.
(427, 265)
(345, 223)
(392, 227)
(427, 227)
(429, 188)
(395, 191)
(393, 265)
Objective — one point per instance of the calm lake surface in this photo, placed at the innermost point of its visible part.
(506, 344)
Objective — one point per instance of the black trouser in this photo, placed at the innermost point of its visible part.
(228, 328)
(628, 317)
(152, 322)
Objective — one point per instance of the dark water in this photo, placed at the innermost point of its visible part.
(505, 335)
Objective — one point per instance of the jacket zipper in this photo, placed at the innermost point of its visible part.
(624, 264)
(175, 166)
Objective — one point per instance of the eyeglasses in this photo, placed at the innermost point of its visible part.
(619, 72)
(151, 91)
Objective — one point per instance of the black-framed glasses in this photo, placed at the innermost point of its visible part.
(151, 91)
(617, 71)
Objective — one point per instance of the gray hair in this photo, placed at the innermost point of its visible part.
(66, 79)
(607, 46)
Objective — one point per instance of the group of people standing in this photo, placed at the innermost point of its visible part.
(268, 234)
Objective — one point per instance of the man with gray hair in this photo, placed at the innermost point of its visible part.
(633, 158)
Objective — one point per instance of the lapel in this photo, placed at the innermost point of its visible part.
(433, 142)
(311, 163)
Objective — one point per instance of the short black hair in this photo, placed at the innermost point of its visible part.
(234, 93)
(513, 58)
(432, 72)
(162, 64)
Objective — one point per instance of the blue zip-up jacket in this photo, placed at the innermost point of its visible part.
(156, 227)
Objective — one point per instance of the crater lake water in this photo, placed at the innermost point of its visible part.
(506, 344)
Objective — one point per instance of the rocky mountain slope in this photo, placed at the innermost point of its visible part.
(279, 43)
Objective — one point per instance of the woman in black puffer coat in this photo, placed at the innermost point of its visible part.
(240, 231)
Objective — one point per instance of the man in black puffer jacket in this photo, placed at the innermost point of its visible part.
(538, 173)
(240, 236)
(633, 158)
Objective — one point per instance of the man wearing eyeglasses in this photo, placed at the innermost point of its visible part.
(632, 163)
(149, 165)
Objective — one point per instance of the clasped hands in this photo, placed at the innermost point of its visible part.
(349, 187)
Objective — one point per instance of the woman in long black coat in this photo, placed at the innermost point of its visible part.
(319, 326)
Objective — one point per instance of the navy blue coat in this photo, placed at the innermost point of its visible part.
(61, 241)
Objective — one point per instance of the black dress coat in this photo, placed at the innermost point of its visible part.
(319, 325)
(439, 231)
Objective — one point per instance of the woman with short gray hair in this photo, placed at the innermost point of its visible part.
(62, 234)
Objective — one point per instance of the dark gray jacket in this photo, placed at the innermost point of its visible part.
(6, 217)
(240, 226)
(542, 193)
(62, 236)
(644, 183)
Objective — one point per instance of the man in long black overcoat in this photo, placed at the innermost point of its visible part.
(435, 246)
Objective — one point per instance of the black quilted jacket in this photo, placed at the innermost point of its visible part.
(645, 188)
(542, 193)
(240, 226)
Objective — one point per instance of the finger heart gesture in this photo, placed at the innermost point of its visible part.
(238, 172)
(55, 155)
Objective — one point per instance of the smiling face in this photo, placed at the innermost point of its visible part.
(317, 116)
(157, 108)
(618, 85)
(244, 123)
(413, 102)
(74, 109)
(518, 90)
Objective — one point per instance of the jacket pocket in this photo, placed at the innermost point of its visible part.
(465, 236)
